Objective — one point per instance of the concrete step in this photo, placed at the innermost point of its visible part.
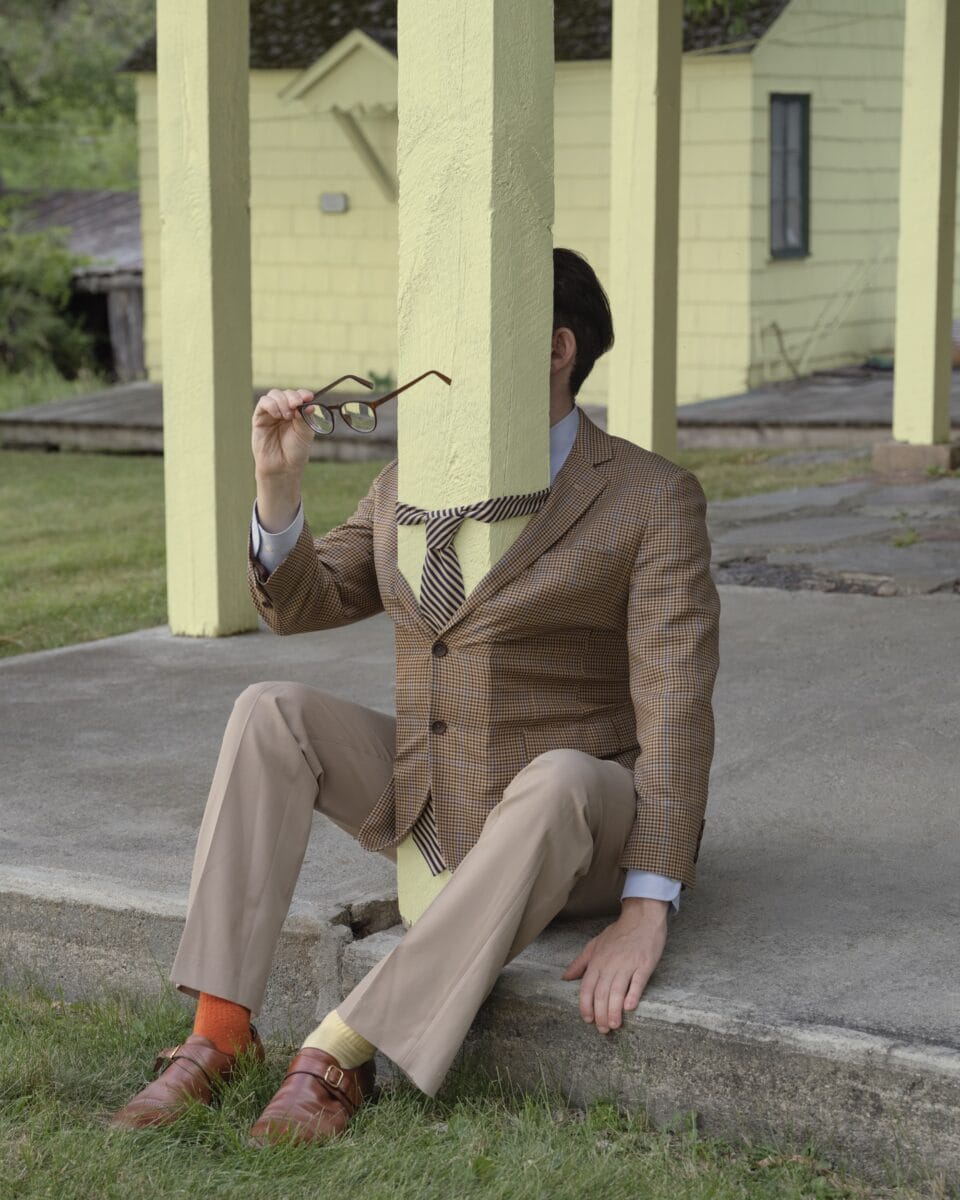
(69, 934)
(887, 1105)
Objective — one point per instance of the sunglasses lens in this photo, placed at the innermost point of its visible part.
(359, 416)
(319, 419)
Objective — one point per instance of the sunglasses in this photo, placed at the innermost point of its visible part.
(358, 415)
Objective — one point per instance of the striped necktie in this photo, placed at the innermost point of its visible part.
(441, 585)
(442, 593)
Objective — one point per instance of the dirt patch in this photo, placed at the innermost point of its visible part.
(756, 572)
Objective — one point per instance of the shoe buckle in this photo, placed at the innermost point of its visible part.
(341, 1075)
(165, 1059)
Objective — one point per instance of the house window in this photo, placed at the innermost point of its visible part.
(789, 176)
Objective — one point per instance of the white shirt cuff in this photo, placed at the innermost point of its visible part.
(270, 549)
(648, 886)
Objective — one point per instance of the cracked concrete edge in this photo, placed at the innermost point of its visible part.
(81, 936)
(540, 984)
(886, 1106)
(726, 1020)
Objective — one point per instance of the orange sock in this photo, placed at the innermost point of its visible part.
(226, 1024)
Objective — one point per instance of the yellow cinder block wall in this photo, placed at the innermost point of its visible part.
(836, 306)
(324, 286)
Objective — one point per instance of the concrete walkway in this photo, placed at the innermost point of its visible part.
(812, 981)
(850, 407)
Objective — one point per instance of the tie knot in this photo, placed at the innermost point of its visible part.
(442, 523)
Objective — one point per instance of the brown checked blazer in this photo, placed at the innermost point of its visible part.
(596, 631)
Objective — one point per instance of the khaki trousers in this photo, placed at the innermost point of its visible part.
(550, 848)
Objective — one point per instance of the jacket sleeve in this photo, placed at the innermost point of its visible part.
(322, 582)
(673, 639)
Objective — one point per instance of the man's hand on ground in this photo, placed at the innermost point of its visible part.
(616, 965)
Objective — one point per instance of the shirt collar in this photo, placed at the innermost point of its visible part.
(562, 437)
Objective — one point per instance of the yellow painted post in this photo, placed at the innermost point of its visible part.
(475, 166)
(644, 221)
(928, 180)
(203, 130)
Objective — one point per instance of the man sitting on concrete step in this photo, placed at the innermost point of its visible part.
(549, 758)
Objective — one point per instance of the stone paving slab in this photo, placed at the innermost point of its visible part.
(892, 539)
(811, 532)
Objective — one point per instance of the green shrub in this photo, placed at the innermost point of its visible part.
(35, 328)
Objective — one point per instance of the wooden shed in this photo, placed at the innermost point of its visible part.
(103, 227)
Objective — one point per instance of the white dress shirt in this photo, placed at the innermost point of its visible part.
(272, 548)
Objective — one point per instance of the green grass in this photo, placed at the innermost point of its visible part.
(65, 1067)
(83, 552)
(726, 474)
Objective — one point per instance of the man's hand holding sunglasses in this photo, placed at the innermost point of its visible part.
(285, 422)
(281, 449)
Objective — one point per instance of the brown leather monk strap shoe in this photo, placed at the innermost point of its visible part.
(315, 1101)
(194, 1070)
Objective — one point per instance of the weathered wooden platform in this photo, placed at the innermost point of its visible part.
(843, 408)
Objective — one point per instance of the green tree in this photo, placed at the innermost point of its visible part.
(729, 20)
(66, 113)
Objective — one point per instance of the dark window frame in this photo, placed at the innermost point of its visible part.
(780, 156)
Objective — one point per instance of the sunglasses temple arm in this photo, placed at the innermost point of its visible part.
(356, 379)
(403, 388)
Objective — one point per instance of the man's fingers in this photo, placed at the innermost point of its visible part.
(581, 962)
(578, 966)
(269, 407)
(618, 993)
(586, 995)
(282, 403)
(601, 1003)
(298, 396)
(635, 991)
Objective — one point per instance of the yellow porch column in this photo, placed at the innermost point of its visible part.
(928, 180)
(644, 221)
(203, 88)
(475, 166)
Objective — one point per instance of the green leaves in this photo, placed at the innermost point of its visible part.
(35, 329)
(66, 114)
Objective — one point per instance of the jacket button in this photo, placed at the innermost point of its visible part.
(439, 649)
(439, 727)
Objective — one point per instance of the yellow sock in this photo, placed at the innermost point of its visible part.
(416, 887)
(338, 1039)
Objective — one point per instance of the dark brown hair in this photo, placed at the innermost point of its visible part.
(581, 305)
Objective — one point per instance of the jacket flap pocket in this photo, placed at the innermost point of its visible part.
(602, 734)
